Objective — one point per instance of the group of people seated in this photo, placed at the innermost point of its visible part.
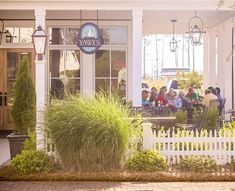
(175, 100)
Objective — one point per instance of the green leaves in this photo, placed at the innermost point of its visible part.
(146, 161)
(192, 79)
(31, 161)
(197, 164)
(24, 105)
(90, 133)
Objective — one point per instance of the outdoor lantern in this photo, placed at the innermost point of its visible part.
(9, 37)
(195, 27)
(39, 42)
(173, 42)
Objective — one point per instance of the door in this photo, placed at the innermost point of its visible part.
(10, 60)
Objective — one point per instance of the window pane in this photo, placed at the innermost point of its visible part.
(118, 67)
(57, 88)
(21, 35)
(26, 35)
(102, 65)
(73, 86)
(118, 86)
(64, 36)
(102, 85)
(64, 62)
(114, 36)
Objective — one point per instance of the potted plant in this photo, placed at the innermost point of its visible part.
(23, 109)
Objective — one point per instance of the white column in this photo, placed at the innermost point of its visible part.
(220, 58)
(206, 60)
(87, 75)
(148, 136)
(228, 64)
(40, 84)
(135, 70)
(212, 57)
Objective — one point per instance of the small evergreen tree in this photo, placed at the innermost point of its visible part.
(24, 104)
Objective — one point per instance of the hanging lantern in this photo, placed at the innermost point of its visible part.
(195, 27)
(39, 42)
(173, 42)
(8, 36)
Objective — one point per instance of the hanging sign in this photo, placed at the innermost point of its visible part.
(89, 38)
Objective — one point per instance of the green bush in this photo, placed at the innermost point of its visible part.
(91, 133)
(24, 104)
(211, 120)
(30, 143)
(181, 117)
(146, 161)
(233, 165)
(197, 164)
(33, 161)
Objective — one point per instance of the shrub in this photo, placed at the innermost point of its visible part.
(181, 117)
(211, 120)
(146, 161)
(24, 104)
(91, 133)
(33, 161)
(30, 143)
(197, 164)
(233, 165)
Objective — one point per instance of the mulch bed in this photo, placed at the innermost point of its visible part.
(7, 173)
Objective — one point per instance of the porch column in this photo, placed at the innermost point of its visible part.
(220, 58)
(87, 75)
(212, 57)
(206, 60)
(40, 84)
(228, 64)
(135, 71)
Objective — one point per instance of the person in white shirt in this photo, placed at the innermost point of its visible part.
(210, 100)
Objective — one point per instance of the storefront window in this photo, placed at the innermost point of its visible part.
(110, 70)
(63, 36)
(64, 72)
(114, 35)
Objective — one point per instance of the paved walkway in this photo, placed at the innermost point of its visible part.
(4, 151)
(79, 186)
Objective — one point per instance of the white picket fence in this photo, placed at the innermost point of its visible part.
(219, 145)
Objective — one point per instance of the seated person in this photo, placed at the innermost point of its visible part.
(153, 94)
(161, 98)
(187, 106)
(174, 102)
(209, 96)
(220, 99)
(191, 95)
(145, 101)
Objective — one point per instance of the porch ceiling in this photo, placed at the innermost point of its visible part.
(115, 4)
(159, 22)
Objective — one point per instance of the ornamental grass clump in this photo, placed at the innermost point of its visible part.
(91, 133)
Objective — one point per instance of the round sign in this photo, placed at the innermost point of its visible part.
(89, 38)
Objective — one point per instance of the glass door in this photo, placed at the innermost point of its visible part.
(10, 63)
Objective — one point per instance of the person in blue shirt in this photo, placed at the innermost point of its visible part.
(145, 101)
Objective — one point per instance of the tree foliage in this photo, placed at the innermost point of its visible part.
(192, 79)
(24, 96)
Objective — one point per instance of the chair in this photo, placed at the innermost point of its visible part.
(198, 125)
(213, 104)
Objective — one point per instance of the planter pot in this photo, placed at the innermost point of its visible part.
(16, 143)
